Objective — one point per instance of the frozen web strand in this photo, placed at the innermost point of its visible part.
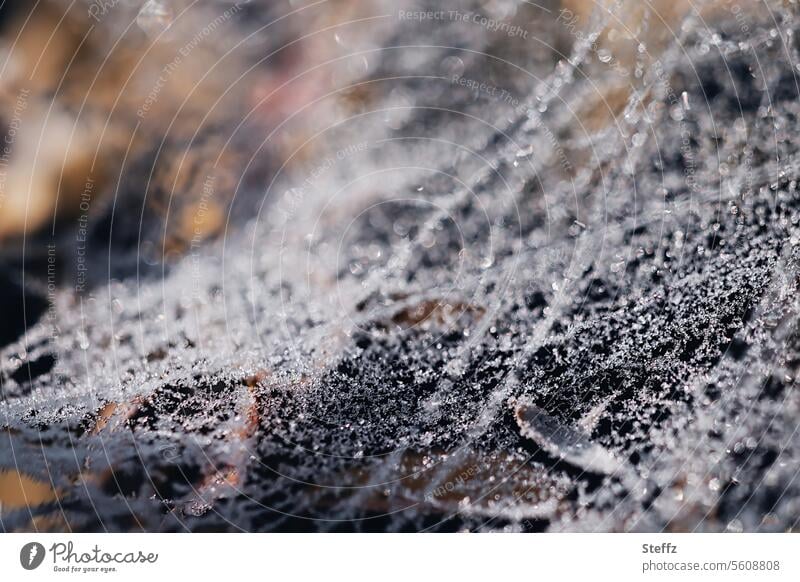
(507, 387)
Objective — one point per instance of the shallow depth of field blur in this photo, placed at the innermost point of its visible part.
(338, 265)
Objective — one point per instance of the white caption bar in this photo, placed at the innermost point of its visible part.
(332, 557)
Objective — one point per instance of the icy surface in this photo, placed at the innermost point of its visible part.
(577, 311)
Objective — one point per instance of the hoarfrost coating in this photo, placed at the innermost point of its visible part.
(571, 309)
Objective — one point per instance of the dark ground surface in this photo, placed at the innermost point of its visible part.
(492, 317)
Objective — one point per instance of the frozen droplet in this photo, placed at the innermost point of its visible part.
(358, 65)
(149, 253)
(455, 368)
(632, 114)
(427, 239)
(196, 508)
(155, 17)
(525, 152)
(501, 9)
(400, 228)
(735, 526)
(356, 268)
(399, 108)
(685, 100)
(452, 66)
(83, 340)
